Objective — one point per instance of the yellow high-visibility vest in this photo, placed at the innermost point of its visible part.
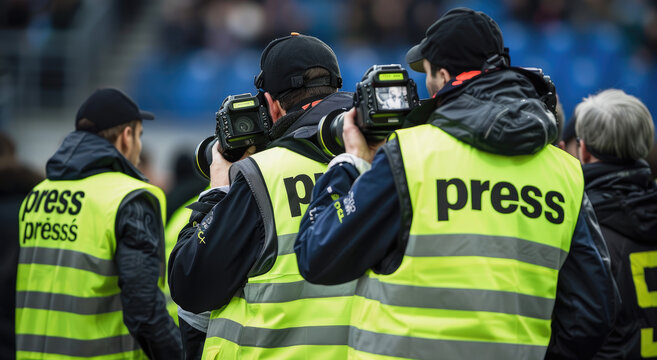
(488, 236)
(279, 315)
(177, 222)
(67, 295)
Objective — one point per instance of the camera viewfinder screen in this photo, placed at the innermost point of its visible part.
(392, 97)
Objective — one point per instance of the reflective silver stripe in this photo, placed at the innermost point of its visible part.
(286, 244)
(485, 245)
(198, 321)
(75, 347)
(67, 258)
(271, 338)
(456, 299)
(283, 292)
(422, 348)
(68, 303)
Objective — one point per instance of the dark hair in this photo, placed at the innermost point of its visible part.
(452, 71)
(110, 134)
(297, 95)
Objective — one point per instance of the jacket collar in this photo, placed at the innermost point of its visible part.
(83, 154)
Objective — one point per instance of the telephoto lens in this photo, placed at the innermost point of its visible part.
(329, 135)
(203, 156)
(382, 100)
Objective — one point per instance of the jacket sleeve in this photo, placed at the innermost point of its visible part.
(351, 223)
(193, 329)
(139, 258)
(216, 249)
(587, 296)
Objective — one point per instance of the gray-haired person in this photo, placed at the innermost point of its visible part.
(615, 133)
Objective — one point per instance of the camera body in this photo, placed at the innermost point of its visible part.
(383, 98)
(549, 94)
(242, 121)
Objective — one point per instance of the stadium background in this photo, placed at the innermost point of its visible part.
(180, 58)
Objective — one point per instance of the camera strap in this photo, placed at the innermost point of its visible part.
(267, 256)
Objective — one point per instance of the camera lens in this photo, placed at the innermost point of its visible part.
(329, 132)
(243, 124)
(203, 156)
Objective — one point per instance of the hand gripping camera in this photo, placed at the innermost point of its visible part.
(382, 99)
(242, 121)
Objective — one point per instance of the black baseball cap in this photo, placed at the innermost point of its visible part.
(461, 40)
(107, 108)
(285, 59)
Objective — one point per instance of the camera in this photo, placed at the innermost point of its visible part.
(242, 121)
(383, 97)
(549, 94)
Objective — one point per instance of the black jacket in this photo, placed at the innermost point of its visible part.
(497, 112)
(625, 201)
(15, 183)
(140, 242)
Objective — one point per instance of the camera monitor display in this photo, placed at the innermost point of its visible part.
(392, 97)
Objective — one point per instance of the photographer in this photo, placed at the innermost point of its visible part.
(468, 233)
(235, 256)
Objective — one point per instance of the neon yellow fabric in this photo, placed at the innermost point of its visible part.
(639, 261)
(309, 321)
(136, 354)
(432, 159)
(177, 222)
(67, 285)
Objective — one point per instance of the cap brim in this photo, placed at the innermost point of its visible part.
(145, 115)
(414, 58)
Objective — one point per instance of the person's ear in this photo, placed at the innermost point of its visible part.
(129, 134)
(275, 109)
(125, 140)
(444, 74)
(585, 156)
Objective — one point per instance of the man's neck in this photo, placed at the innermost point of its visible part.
(306, 103)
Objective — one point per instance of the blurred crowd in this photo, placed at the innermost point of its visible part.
(227, 25)
(636, 20)
(208, 48)
(22, 14)
(53, 14)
